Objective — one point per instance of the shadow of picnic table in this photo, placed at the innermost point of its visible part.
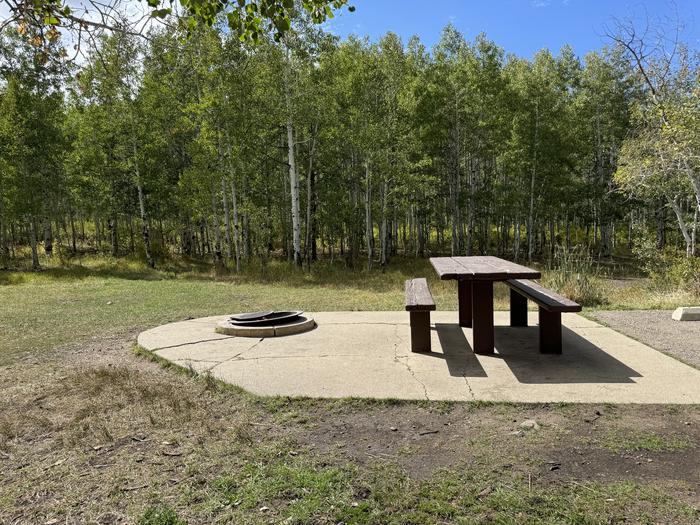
(581, 361)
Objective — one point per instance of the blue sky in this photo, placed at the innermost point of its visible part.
(519, 26)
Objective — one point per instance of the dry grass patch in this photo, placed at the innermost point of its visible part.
(124, 435)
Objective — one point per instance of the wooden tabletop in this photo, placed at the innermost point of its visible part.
(481, 268)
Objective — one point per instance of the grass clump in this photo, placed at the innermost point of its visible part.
(574, 274)
(160, 515)
(278, 488)
(647, 442)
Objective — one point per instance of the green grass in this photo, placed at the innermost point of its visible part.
(160, 515)
(646, 442)
(92, 296)
(58, 306)
(276, 487)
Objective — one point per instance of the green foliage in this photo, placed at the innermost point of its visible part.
(249, 20)
(160, 515)
(667, 268)
(575, 275)
(181, 146)
(658, 160)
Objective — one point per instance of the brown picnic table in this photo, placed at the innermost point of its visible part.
(475, 277)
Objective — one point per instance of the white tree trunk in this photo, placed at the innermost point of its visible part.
(384, 227)
(145, 227)
(369, 228)
(310, 196)
(3, 239)
(681, 224)
(294, 190)
(293, 174)
(227, 219)
(217, 229)
(236, 229)
(531, 212)
(33, 243)
(693, 249)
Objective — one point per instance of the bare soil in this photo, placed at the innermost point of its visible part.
(574, 437)
(99, 433)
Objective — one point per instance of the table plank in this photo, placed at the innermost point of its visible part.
(481, 268)
(513, 269)
(448, 268)
(418, 296)
(551, 300)
(487, 268)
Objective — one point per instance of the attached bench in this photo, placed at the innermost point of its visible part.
(419, 303)
(551, 307)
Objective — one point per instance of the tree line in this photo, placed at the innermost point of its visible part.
(194, 143)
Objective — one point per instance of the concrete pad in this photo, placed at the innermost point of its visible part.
(201, 367)
(182, 332)
(216, 351)
(352, 376)
(687, 313)
(367, 354)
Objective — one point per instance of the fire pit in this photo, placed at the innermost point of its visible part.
(266, 324)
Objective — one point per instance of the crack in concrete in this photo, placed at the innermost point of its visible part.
(365, 323)
(208, 370)
(190, 360)
(273, 357)
(404, 361)
(469, 388)
(223, 337)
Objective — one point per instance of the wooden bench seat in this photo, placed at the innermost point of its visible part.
(419, 304)
(551, 305)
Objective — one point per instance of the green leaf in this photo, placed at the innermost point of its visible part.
(161, 13)
(284, 24)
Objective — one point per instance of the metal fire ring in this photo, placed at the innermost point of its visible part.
(266, 324)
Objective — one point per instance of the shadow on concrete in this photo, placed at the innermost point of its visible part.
(580, 362)
(457, 352)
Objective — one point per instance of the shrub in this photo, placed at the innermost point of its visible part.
(669, 268)
(684, 272)
(574, 274)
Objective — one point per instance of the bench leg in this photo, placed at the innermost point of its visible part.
(518, 309)
(420, 331)
(482, 310)
(464, 298)
(550, 332)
